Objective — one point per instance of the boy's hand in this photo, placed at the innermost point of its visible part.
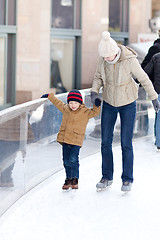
(97, 102)
(45, 95)
(95, 99)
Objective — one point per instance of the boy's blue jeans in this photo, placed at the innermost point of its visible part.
(108, 120)
(71, 160)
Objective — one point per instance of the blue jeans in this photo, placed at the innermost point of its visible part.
(71, 160)
(108, 120)
(157, 127)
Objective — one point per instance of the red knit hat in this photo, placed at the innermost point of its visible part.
(75, 95)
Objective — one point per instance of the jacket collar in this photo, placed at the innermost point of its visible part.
(126, 53)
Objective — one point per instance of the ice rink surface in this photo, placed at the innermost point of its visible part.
(48, 213)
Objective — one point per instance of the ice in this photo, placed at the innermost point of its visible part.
(48, 213)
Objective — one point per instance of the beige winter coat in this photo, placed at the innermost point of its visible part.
(118, 86)
(73, 126)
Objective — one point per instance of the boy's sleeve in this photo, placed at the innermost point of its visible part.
(93, 112)
(57, 102)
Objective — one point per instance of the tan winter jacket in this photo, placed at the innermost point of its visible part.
(118, 86)
(73, 126)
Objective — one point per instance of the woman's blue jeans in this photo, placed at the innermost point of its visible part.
(127, 117)
(157, 127)
(71, 160)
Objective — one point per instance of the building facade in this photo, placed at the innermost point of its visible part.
(51, 46)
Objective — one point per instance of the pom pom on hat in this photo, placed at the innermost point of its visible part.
(107, 46)
(75, 95)
(106, 35)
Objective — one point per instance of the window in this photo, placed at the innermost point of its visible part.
(118, 15)
(11, 12)
(66, 14)
(11, 52)
(62, 64)
(65, 45)
(7, 12)
(7, 52)
(2, 67)
(2, 12)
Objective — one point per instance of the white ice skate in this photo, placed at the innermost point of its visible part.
(126, 187)
(103, 184)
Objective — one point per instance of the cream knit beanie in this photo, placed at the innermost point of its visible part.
(107, 46)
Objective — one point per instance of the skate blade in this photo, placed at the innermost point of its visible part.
(125, 192)
(102, 189)
(74, 187)
(67, 190)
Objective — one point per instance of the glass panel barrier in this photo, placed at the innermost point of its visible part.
(29, 153)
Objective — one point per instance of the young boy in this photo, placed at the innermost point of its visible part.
(72, 131)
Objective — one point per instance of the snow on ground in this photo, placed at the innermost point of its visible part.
(48, 213)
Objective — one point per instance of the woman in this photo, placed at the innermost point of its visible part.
(115, 67)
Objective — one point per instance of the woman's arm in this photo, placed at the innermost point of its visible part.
(97, 81)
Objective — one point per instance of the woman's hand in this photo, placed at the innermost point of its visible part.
(95, 99)
(156, 105)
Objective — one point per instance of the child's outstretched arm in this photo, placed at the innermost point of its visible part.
(57, 102)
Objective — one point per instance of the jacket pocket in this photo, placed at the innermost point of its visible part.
(79, 135)
(132, 90)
